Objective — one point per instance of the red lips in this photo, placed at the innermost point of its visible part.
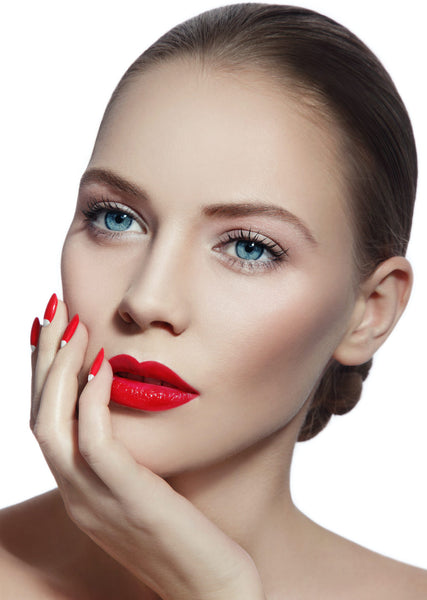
(148, 385)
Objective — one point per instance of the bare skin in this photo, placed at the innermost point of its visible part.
(44, 555)
(167, 505)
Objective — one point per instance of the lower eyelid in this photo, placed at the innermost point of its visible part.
(101, 233)
(249, 266)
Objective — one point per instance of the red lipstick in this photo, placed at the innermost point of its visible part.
(147, 385)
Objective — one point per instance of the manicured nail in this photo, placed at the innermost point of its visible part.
(96, 364)
(50, 311)
(35, 332)
(69, 332)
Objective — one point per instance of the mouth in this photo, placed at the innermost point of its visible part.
(149, 385)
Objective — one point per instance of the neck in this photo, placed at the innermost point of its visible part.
(247, 495)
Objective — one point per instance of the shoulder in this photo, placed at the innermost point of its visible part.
(389, 579)
(23, 527)
(27, 549)
(363, 574)
(409, 582)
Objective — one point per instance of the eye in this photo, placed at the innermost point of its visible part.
(248, 251)
(110, 218)
(117, 221)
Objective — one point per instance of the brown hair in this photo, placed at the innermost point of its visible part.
(324, 61)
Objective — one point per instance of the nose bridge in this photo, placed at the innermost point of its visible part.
(157, 292)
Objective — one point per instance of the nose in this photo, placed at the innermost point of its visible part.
(158, 294)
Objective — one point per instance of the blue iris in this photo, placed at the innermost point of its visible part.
(117, 221)
(249, 250)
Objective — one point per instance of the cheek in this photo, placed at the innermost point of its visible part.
(274, 338)
(92, 285)
(77, 280)
(256, 346)
(255, 363)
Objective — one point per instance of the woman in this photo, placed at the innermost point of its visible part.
(243, 221)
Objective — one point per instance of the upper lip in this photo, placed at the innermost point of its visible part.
(128, 365)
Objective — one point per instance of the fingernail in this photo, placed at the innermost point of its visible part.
(35, 332)
(96, 364)
(69, 332)
(50, 311)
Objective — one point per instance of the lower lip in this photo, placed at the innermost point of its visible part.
(147, 396)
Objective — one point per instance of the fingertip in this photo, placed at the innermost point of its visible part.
(35, 334)
(94, 400)
(99, 380)
(70, 330)
(74, 334)
(106, 368)
(50, 310)
(96, 365)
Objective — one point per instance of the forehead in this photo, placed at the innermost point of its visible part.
(218, 136)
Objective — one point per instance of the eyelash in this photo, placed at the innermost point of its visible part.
(279, 254)
(96, 207)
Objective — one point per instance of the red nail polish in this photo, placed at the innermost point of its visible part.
(50, 311)
(35, 332)
(96, 364)
(69, 332)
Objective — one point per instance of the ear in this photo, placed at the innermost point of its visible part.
(382, 299)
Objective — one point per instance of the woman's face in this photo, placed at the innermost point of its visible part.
(221, 249)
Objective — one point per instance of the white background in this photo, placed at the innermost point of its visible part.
(365, 475)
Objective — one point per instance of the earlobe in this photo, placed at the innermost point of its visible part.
(382, 299)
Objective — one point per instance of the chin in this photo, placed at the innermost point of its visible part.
(157, 441)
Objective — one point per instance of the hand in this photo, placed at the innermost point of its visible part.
(129, 511)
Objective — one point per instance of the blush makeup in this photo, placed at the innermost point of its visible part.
(149, 385)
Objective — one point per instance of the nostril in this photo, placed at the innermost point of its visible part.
(164, 325)
(147, 307)
(126, 317)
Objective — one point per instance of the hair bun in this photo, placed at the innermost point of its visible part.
(338, 392)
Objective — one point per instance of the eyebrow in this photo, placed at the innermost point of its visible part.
(241, 209)
(247, 209)
(110, 178)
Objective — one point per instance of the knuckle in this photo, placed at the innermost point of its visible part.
(44, 435)
(77, 512)
(83, 515)
(89, 449)
(39, 432)
(33, 417)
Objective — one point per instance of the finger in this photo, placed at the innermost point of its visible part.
(34, 336)
(106, 456)
(34, 342)
(55, 425)
(47, 347)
